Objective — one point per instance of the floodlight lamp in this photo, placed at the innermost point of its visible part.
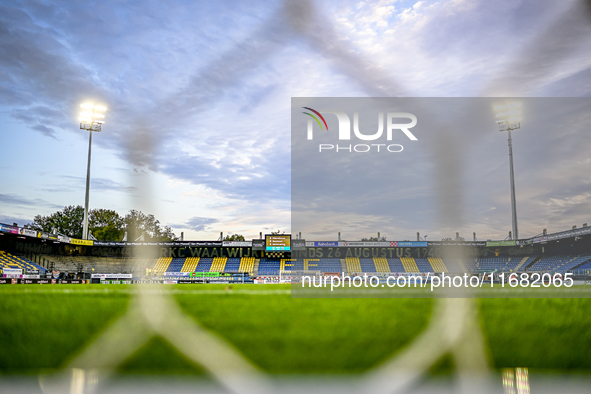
(509, 113)
(86, 105)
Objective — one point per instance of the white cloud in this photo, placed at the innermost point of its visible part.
(201, 104)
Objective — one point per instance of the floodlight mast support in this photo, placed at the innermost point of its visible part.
(509, 118)
(513, 202)
(90, 120)
(86, 199)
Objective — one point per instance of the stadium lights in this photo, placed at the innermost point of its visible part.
(91, 119)
(508, 115)
(509, 118)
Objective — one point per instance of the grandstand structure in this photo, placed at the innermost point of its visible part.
(202, 264)
(275, 267)
(10, 261)
(166, 266)
(555, 253)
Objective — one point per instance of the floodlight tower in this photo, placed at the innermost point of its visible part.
(91, 119)
(508, 119)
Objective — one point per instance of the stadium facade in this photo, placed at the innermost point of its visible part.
(36, 253)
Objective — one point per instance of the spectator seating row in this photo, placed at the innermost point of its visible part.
(353, 264)
(8, 260)
(275, 266)
(204, 264)
(499, 264)
(586, 266)
(559, 263)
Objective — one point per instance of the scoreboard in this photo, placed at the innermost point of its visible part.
(278, 243)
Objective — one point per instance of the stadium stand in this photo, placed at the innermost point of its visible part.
(162, 264)
(575, 263)
(287, 265)
(218, 264)
(409, 264)
(585, 266)
(367, 265)
(395, 265)
(247, 265)
(381, 264)
(232, 265)
(311, 265)
(204, 264)
(353, 264)
(290, 265)
(8, 260)
(437, 264)
(424, 265)
(269, 267)
(455, 265)
(176, 264)
(325, 265)
(43, 257)
(298, 264)
(190, 264)
(558, 263)
(105, 265)
(502, 264)
(525, 261)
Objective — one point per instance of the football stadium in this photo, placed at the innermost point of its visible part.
(249, 130)
(86, 314)
(30, 257)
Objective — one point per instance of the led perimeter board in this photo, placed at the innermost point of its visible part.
(278, 242)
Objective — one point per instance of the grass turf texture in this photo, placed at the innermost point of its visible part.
(42, 327)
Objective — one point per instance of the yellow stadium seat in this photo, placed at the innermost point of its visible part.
(353, 264)
(190, 264)
(247, 265)
(409, 264)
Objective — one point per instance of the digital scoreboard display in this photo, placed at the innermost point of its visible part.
(278, 242)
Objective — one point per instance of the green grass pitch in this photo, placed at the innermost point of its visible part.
(43, 327)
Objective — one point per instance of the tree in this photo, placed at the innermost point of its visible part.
(278, 232)
(138, 223)
(234, 237)
(373, 239)
(69, 221)
(106, 225)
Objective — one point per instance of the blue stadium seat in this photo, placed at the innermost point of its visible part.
(8, 260)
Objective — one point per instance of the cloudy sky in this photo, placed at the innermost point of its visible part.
(199, 94)
(454, 177)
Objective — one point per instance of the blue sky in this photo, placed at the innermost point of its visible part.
(198, 97)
